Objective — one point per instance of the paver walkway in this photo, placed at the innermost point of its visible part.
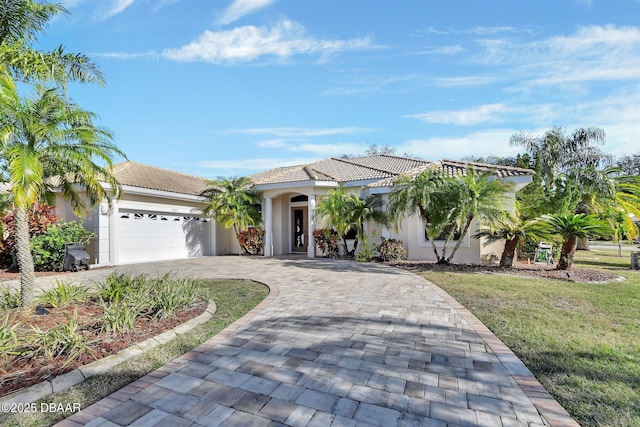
(337, 343)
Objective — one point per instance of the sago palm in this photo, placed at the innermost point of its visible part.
(48, 142)
(514, 232)
(572, 227)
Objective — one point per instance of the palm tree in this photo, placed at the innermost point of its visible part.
(48, 142)
(572, 227)
(621, 226)
(558, 154)
(21, 21)
(448, 205)
(514, 232)
(233, 203)
(607, 191)
(345, 211)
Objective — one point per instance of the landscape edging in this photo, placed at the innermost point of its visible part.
(62, 382)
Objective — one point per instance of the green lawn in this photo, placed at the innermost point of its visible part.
(234, 298)
(581, 341)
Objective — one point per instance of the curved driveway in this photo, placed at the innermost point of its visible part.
(336, 343)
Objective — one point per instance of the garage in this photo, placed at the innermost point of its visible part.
(154, 236)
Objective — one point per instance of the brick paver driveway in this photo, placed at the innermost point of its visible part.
(336, 343)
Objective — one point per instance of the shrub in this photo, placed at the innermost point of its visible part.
(40, 219)
(120, 316)
(125, 299)
(64, 294)
(48, 248)
(391, 250)
(9, 298)
(251, 240)
(64, 340)
(327, 240)
(170, 294)
(9, 343)
(120, 287)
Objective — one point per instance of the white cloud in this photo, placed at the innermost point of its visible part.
(126, 55)
(284, 40)
(297, 131)
(272, 143)
(464, 81)
(590, 54)
(473, 116)
(72, 3)
(118, 6)
(254, 165)
(240, 8)
(493, 141)
(327, 150)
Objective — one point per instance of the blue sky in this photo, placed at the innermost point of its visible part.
(232, 87)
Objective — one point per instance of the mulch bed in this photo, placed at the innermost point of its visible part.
(19, 372)
(6, 274)
(578, 274)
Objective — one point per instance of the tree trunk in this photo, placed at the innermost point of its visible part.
(355, 246)
(25, 259)
(242, 247)
(567, 253)
(463, 234)
(439, 259)
(509, 253)
(583, 244)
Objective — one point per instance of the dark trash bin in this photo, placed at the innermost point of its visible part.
(635, 265)
(75, 257)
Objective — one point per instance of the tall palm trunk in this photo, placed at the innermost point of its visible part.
(25, 260)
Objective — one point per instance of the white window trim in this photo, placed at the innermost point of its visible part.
(423, 242)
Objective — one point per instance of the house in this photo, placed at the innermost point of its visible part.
(290, 195)
(159, 215)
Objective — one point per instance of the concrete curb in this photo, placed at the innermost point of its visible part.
(62, 382)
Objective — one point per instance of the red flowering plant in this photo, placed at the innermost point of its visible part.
(327, 240)
(251, 241)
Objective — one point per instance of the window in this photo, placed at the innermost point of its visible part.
(138, 216)
(440, 240)
(441, 236)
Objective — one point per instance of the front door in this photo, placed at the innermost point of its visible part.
(299, 232)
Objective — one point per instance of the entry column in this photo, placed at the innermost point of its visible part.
(267, 219)
(311, 249)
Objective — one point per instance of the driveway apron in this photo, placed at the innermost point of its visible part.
(337, 343)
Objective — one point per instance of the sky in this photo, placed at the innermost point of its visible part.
(233, 87)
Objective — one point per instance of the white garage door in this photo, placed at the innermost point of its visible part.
(144, 236)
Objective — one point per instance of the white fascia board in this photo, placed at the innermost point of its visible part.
(360, 183)
(292, 185)
(519, 182)
(127, 189)
(379, 190)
